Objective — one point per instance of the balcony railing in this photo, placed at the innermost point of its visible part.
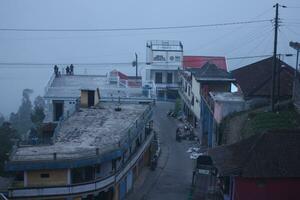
(167, 85)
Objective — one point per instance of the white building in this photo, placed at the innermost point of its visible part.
(62, 93)
(164, 59)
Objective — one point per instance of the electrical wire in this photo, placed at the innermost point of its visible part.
(120, 64)
(133, 29)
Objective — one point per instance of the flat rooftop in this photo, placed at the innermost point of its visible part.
(165, 45)
(69, 86)
(86, 130)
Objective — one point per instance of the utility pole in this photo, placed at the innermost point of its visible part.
(296, 46)
(273, 100)
(135, 64)
(274, 60)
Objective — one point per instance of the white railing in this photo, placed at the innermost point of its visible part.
(49, 83)
(80, 188)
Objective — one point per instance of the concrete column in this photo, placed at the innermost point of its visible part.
(25, 179)
(69, 176)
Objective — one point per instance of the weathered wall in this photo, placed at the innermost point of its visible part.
(222, 109)
(97, 96)
(275, 189)
(197, 98)
(84, 99)
(56, 177)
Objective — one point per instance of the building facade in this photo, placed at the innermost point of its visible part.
(164, 59)
(263, 166)
(198, 105)
(94, 152)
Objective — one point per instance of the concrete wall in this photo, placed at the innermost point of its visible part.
(97, 96)
(222, 109)
(69, 107)
(197, 98)
(56, 177)
(84, 98)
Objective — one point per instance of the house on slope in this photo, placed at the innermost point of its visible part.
(255, 81)
(189, 88)
(264, 166)
(197, 85)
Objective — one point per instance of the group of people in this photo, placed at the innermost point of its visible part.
(69, 70)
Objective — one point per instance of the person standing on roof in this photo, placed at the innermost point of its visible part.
(71, 69)
(56, 70)
(68, 70)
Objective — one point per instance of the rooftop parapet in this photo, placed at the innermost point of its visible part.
(90, 132)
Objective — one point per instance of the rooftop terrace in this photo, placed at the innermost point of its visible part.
(69, 86)
(85, 131)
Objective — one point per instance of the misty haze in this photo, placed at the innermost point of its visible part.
(149, 100)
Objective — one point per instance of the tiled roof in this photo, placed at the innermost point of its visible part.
(211, 72)
(200, 61)
(255, 79)
(271, 155)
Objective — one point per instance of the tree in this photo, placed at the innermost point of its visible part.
(21, 121)
(177, 107)
(7, 134)
(37, 116)
(2, 119)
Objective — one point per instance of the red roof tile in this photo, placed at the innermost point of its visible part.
(200, 61)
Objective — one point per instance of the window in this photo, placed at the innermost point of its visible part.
(44, 175)
(177, 58)
(169, 78)
(158, 77)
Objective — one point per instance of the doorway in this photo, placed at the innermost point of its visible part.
(58, 110)
(91, 98)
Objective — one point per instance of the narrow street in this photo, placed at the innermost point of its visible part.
(173, 175)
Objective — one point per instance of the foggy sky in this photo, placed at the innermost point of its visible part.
(88, 47)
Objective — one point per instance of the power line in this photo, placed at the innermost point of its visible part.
(295, 7)
(133, 29)
(124, 64)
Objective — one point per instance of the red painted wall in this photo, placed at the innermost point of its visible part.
(273, 189)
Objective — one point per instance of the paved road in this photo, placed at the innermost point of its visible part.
(173, 176)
